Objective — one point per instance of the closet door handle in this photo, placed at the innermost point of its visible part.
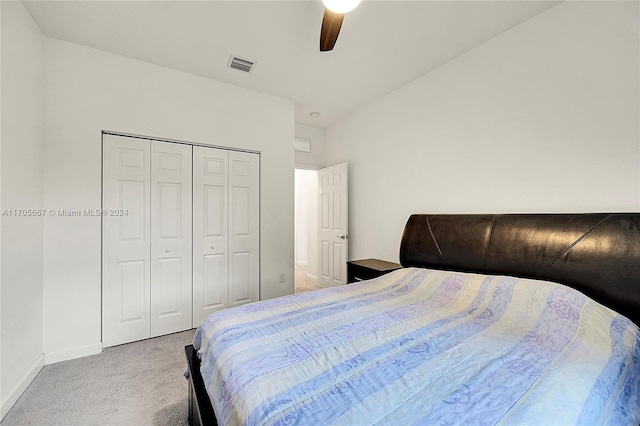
(213, 247)
(167, 250)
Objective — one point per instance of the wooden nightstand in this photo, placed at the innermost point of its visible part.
(366, 269)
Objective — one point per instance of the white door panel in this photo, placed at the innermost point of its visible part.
(210, 231)
(126, 261)
(240, 288)
(131, 290)
(333, 234)
(244, 238)
(170, 238)
(214, 283)
(131, 197)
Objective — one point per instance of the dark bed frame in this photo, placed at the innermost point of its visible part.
(596, 253)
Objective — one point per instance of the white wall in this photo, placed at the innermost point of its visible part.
(542, 118)
(87, 91)
(21, 241)
(301, 204)
(315, 158)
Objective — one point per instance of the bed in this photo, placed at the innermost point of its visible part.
(494, 319)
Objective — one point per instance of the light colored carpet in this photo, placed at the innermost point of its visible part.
(139, 383)
(302, 282)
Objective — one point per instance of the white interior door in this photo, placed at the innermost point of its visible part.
(170, 238)
(126, 239)
(244, 235)
(210, 231)
(333, 223)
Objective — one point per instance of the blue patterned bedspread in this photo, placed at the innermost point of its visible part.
(423, 347)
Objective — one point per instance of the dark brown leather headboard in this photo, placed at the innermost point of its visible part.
(596, 253)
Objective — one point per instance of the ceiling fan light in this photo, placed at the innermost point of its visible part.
(341, 6)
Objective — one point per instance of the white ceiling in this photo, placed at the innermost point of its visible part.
(382, 46)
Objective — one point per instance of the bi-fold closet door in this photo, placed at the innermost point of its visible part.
(180, 235)
(147, 239)
(225, 230)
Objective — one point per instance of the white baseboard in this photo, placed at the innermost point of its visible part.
(21, 387)
(301, 263)
(312, 278)
(53, 357)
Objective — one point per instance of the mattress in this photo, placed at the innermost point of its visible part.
(427, 347)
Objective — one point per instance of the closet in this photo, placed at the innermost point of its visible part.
(180, 235)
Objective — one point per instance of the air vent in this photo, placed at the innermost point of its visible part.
(302, 145)
(241, 64)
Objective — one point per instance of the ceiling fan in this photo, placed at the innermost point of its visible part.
(332, 21)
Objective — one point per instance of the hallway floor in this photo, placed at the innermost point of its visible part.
(302, 281)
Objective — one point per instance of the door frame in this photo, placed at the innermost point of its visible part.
(312, 274)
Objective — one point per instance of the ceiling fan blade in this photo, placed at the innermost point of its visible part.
(331, 23)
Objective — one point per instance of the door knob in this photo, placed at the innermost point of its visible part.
(344, 237)
(167, 250)
(213, 247)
